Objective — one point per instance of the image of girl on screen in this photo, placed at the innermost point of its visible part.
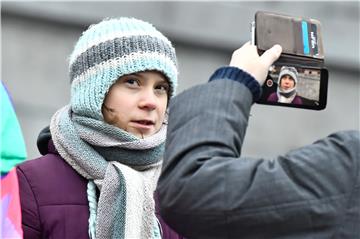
(286, 91)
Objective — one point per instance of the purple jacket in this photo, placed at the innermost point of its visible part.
(274, 98)
(54, 201)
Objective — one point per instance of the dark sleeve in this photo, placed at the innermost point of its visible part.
(29, 207)
(166, 231)
(207, 189)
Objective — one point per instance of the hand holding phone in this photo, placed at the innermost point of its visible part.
(247, 59)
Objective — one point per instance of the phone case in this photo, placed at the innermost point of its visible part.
(301, 41)
(299, 37)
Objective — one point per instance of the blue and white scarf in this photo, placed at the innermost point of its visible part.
(123, 167)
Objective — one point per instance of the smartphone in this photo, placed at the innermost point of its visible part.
(295, 86)
(298, 78)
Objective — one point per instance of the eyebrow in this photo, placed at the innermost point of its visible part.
(161, 78)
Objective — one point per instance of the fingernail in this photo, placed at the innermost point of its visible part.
(278, 48)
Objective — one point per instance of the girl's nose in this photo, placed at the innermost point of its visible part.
(148, 100)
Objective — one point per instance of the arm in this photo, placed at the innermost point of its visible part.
(209, 190)
(29, 208)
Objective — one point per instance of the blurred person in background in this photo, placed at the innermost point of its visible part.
(12, 152)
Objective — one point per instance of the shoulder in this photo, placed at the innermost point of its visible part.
(272, 97)
(35, 171)
(297, 100)
(48, 167)
(48, 186)
(348, 140)
(41, 164)
(49, 177)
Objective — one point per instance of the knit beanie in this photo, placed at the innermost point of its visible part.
(111, 49)
(288, 70)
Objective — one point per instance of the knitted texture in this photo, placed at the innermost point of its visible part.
(125, 208)
(288, 70)
(111, 49)
(91, 194)
(236, 74)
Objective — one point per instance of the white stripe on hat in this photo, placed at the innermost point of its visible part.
(113, 35)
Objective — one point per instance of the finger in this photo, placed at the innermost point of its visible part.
(242, 50)
(271, 55)
(247, 43)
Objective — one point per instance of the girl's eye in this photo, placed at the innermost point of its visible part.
(162, 89)
(132, 82)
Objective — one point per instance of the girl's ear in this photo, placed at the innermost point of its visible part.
(109, 115)
(166, 116)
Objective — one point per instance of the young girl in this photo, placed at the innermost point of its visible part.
(103, 154)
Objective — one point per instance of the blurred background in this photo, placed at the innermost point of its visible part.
(38, 37)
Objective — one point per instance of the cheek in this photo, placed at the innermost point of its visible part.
(117, 100)
(162, 109)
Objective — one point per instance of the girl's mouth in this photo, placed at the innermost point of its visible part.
(142, 124)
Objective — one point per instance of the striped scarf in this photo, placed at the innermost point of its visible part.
(286, 96)
(123, 167)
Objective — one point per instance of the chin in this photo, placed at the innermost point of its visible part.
(139, 135)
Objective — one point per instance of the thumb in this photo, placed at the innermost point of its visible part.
(271, 55)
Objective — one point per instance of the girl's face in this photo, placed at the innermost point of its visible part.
(137, 103)
(287, 82)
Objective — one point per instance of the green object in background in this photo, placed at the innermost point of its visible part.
(12, 146)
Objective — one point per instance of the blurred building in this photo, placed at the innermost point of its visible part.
(38, 37)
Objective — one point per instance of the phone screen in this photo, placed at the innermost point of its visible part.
(295, 86)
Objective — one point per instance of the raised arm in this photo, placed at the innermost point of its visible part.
(209, 190)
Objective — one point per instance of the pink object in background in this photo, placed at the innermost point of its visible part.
(10, 207)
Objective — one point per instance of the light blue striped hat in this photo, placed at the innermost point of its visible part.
(111, 49)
